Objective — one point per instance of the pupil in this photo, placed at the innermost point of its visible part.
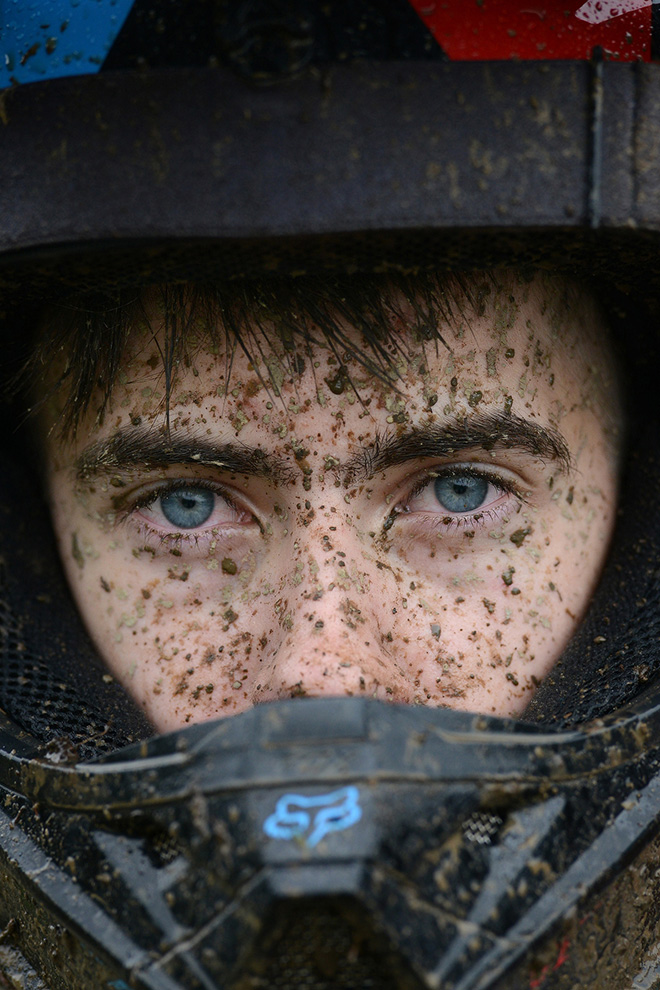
(461, 493)
(187, 508)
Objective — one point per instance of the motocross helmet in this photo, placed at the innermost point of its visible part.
(330, 843)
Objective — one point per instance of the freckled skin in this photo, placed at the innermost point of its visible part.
(309, 586)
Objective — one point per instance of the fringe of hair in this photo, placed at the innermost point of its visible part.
(90, 332)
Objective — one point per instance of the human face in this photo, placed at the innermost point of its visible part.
(435, 543)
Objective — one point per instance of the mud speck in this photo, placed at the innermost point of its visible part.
(76, 552)
(337, 383)
(518, 537)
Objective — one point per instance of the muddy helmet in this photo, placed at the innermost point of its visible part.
(329, 843)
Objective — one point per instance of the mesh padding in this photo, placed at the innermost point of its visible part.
(481, 828)
(52, 682)
(318, 948)
(616, 652)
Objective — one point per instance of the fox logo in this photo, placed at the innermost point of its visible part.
(297, 814)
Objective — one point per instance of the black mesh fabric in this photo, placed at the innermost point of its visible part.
(52, 682)
(615, 654)
(321, 947)
(38, 699)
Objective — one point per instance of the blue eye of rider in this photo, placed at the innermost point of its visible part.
(461, 492)
(187, 508)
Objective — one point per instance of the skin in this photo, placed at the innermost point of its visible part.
(332, 571)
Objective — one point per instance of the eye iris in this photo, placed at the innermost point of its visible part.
(461, 493)
(187, 508)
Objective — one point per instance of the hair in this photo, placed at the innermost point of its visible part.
(85, 336)
(81, 341)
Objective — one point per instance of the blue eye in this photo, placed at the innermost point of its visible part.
(187, 508)
(461, 492)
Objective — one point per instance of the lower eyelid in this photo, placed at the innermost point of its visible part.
(214, 536)
(427, 523)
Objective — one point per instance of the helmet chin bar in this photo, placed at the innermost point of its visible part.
(337, 843)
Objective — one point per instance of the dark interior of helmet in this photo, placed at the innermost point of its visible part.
(54, 685)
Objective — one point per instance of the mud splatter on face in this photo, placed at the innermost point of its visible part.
(305, 528)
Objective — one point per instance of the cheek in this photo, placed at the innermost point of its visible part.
(170, 630)
(506, 602)
(473, 636)
(175, 638)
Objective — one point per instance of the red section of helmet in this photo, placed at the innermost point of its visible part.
(477, 30)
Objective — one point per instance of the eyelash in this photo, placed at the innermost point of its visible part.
(448, 520)
(426, 519)
(147, 499)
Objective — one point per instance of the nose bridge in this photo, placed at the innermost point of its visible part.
(330, 639)
(328, 585)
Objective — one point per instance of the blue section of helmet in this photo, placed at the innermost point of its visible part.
(44, 39)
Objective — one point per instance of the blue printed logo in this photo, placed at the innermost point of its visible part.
(338, 810)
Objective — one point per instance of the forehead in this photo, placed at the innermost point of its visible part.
(369, 341)
(434, 346)
(501, 345)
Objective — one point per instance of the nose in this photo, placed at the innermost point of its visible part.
(331, 639)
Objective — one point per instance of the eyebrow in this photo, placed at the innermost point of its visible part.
(489, 432)
(133, 446)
